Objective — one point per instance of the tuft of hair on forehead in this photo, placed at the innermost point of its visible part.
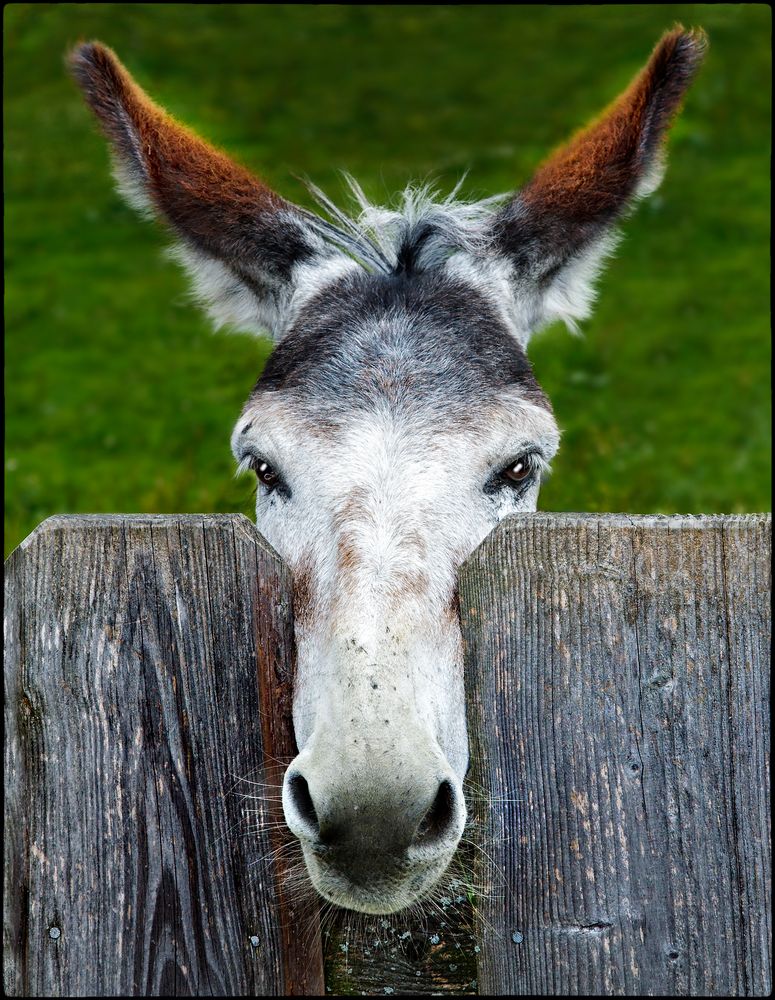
(419, 234)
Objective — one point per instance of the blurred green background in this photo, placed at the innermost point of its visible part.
(118, 398)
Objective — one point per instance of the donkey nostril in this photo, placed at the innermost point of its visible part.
(436, 822)
(302, 801)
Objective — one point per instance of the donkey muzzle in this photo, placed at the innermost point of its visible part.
(377, 828)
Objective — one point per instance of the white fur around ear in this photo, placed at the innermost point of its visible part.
(570, 296)
(558, 231)
(226, 299)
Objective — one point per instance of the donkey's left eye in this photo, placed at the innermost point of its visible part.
(265, 473)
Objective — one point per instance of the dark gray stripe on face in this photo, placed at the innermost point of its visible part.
(425, 340)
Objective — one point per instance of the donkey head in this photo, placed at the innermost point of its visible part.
(396, 423)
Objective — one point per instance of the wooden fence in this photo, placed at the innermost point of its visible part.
(617, 674)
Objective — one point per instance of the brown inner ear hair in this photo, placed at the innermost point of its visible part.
(588, 181)
(208, 198)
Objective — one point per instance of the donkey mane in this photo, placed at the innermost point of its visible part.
(419, 234)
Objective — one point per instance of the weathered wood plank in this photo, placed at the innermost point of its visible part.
(133, 865)
(298, 902)
(617, 683)
(617, 670)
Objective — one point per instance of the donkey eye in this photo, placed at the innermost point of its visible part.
(518, 475)
(265, 473)
(519, 471)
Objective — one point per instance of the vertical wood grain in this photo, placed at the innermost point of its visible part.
(297, 898)
(133, 858)
(617, 673)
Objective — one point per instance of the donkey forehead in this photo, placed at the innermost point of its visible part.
(498, 420)
(416, 341)
(369, 443)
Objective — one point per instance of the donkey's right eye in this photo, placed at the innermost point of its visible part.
(265, 473)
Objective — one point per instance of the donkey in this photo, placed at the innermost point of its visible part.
(396, 422)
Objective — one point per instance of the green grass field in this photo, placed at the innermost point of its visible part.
(118, 398)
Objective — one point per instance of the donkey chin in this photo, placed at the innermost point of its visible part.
(380, 883)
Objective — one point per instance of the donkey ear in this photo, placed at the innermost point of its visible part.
(240, 241)
(557, 231)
